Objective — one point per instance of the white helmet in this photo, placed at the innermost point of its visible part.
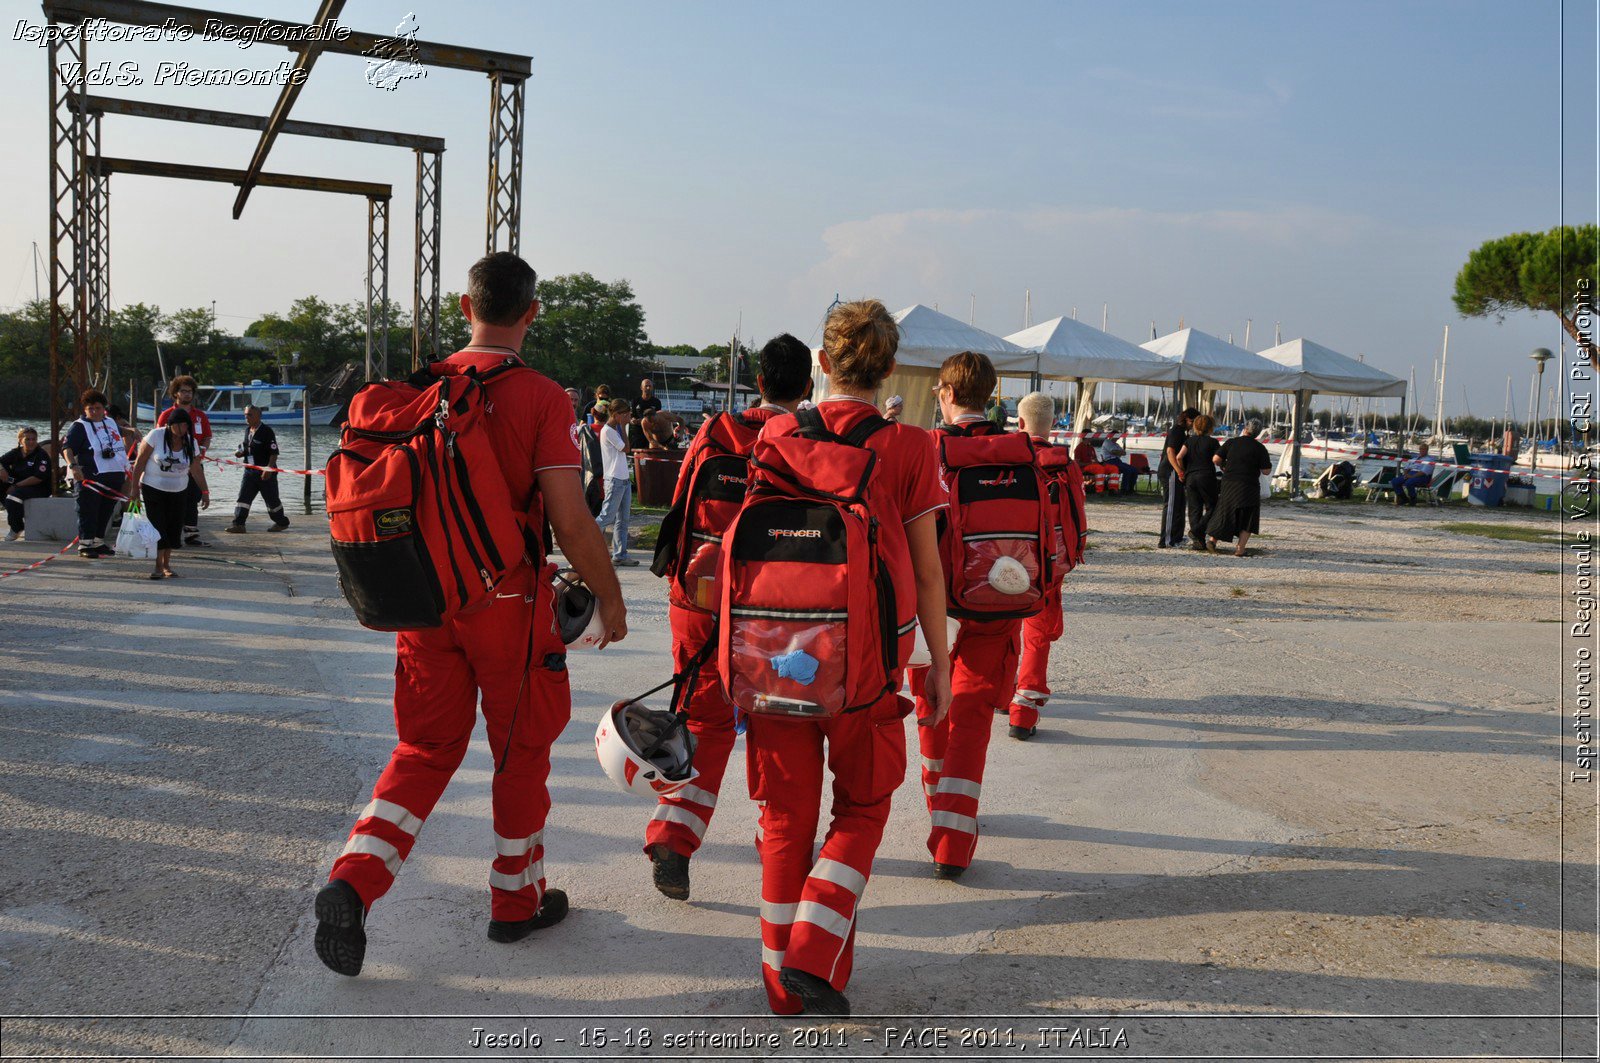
(577, 619)
(645, 751)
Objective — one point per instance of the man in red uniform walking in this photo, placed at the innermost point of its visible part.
(680, 821)
(983, 666)
(509, 652)
(1036, 412)
(810, 899)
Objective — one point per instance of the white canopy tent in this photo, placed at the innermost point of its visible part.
(1217, 365)
(1329, 372)
(1067, 349)
(1320, 370)
(927, 338)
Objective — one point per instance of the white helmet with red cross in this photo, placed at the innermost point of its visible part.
(645, 751)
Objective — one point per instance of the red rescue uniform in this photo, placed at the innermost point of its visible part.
(983, 670)
(809, 900)
(680, 821)
(441, 673)
(1039, 632)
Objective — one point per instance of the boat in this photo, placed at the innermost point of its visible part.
(281, 404)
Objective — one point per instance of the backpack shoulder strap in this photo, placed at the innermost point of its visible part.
(858, 436)
(810, 423)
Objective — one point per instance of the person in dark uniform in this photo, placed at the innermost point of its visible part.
(24, 474)
(1244, 461)
(259, 447)
(1172, 486)
(1195, 463)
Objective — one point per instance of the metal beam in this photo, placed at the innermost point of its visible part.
(378, 289)
(327, 13)
(506, 105)
(272, 31)
(201, 116)
(222, 175)
(425, 272)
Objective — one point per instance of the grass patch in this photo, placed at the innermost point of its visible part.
(1130, 549)
(645, 538)
(1547, 572)
(1237, 592)
(1511, 532)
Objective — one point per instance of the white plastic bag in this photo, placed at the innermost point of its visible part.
(138, 537)
(1266, 488)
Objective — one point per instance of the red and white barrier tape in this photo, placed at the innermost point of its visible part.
(102, 489)
(266, 468)
(41, 561)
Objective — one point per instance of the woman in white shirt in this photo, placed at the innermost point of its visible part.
(166, 463)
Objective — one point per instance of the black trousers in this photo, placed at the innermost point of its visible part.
(267, 487)
(94, 509)
(1172, 510)
(191, 507)
(1200, 491)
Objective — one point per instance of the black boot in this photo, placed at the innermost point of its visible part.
(341, 939)
(816, 995)
(670, 871)
(551, 911)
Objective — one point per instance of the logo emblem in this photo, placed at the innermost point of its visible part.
(395, 59)
(795, 533)
(393, 522)
(572, 432)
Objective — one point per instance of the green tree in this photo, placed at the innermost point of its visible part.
(1553, 272)
(588, 332)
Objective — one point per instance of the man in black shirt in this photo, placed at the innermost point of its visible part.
(260, 447)
(1173, 501)
(645, 405)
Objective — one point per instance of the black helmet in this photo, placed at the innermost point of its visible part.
(574, 605)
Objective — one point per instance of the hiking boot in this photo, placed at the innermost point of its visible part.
(234, 529)
(948, 871)
(551, 911)
(670, 871)
(1022, 734)
(276, 527)
(341, 939)
(90, 552)
(817, 997)
(104, 550)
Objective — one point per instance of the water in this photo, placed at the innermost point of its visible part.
(224, 480)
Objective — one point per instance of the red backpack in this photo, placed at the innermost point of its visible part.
(419, 512)
(806, 625)
(999, 509)
(1064, 481)
(710, 490)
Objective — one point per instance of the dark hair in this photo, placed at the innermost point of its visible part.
(179, 383)
(501, 287)
(1191, 413)
(785, 368)
(91, 395)
(180, 416)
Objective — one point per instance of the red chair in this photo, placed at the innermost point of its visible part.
(1141, 466)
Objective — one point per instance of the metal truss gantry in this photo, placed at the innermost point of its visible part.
(80, 187)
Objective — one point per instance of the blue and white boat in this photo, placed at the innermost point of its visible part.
(281, 404)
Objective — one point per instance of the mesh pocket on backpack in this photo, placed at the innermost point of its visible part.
(1008, 559)
(787, 662)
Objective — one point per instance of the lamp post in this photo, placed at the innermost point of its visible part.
(1540, 356)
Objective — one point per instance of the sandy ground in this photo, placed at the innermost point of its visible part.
(1306, 802)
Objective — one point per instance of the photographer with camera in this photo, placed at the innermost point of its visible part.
(96, 454)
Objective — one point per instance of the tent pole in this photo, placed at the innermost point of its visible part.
(1296, 416)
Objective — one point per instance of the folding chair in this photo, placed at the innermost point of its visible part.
(1382, 483)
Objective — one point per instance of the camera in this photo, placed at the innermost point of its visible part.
(108, 453)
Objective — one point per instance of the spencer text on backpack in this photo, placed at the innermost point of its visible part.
(806, 622)
(419, 512)
(689, 544)
(995, 539)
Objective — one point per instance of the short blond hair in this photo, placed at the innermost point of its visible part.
(971, 377)
(1037, 412)
(860, 339)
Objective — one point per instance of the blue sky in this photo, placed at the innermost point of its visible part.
(1324, 165)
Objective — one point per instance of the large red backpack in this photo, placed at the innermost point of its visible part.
(999, 509)
(1064, 481)
(419, 512)
(807, 626)
(710, 490)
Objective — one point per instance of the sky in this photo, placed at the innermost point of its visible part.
(1323, 168)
